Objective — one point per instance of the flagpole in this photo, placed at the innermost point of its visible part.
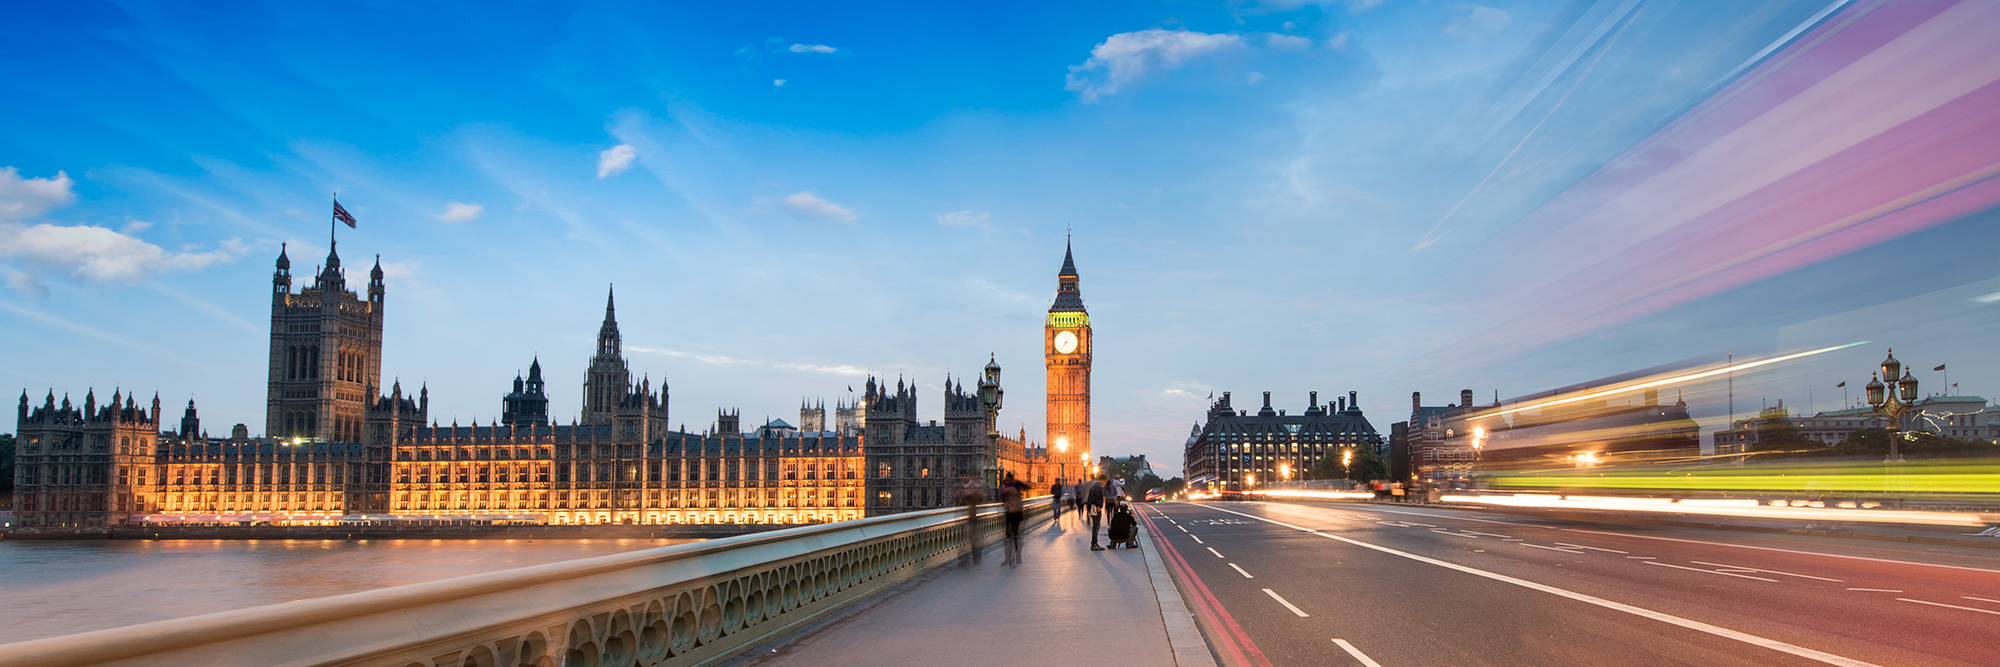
(333, 226)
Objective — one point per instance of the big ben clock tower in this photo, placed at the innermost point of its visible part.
(1066, 346)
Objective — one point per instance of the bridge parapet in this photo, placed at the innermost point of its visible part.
(687, 604)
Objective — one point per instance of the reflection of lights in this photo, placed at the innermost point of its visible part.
(1586, 458)
(1745, 508)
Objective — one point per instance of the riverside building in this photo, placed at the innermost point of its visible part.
(342, 450)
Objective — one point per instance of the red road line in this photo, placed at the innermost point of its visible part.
(1234, 639)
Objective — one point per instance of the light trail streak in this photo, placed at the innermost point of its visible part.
(1668, 506)
(1713, 372)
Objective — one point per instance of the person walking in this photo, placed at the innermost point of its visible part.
(1056, 500)
(1093, 505)
(1014, 503)
(970, 495)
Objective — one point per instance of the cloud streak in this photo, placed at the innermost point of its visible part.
(615, 160)
(1124, 59)
(812, 206)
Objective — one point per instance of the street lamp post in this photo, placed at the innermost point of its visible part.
(990, 395)
(1062, 458)
(1886, 401)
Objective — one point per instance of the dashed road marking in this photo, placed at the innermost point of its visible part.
(1877, 590)
(1197, 538)
(1358, 655)
(1752, 569)
(1295, 609)
(1934, 604)
(1579, 546)
(1968, 597)
(1567, 551)
(1240, 571)
(1696, 569)
(1212, 550)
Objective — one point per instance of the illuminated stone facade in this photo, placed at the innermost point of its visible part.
(343, 452)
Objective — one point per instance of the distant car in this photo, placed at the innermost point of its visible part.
(1155, 496)
(1229, 495)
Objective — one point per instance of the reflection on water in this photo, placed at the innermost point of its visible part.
(55, 588)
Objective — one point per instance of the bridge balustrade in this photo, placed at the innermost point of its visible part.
(687, 604)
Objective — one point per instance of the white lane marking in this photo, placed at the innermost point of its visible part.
(1877, 590)
(1752, 569)
(1183, 528)
(1696, 569)
(1240, 571)
(1358, 655)
(1447, 532)
(1688, 541)
(1642, 612)
(1462, 530)
(1537, 546)
(1197, 538)
(1282, 601)
(1640, 557)
(1579, 546)
(1212, 550)
(1426, 525)
(1934, 604)
(1968, 597)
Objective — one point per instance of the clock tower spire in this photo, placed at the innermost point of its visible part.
(1067, 348)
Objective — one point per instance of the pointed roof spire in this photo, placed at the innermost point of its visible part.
(284, 262)
(610, 305)
(1069, 262)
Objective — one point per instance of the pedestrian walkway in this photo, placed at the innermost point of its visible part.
(1064, 603)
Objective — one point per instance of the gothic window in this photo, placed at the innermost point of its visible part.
(883, 471)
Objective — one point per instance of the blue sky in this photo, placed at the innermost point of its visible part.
(1288, 196)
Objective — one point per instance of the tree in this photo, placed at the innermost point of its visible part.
(1364, 465)
(1173, 486)
(1874, 443)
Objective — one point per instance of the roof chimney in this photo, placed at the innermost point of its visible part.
(1465, 398)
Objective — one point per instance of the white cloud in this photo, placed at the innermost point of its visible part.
(966, 218)
(615, 160)
(812, 48)
(96, 254)
(778, 82)
(1480, 19)
(1123, 59)
(463, 212)
(1287, 42)
(26, 284)
(1337, 42)
(1253, 77)
(23, 198)
(810, 205)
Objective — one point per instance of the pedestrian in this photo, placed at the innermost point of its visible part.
(1093, 505)
(1012, 501)
(1056, 500)
(1117, 491)
(970, 495)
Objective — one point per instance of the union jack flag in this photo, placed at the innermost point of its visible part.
(342, 215)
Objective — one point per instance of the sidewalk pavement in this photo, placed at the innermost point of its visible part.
(1064, 603)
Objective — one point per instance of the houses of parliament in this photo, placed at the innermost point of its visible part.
(341, 447)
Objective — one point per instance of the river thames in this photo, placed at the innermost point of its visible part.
(61, 587)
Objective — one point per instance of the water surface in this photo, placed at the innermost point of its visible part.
(52, 588)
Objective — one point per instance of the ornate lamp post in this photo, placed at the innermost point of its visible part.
(990, 395)
(1062, 455)
(1884, 399)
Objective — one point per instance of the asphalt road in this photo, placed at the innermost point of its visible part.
(1346, 584)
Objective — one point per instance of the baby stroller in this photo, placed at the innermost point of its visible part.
(1124, 528)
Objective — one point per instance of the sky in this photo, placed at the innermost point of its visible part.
(1373, 196)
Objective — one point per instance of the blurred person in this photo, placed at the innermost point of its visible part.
(970, 495)
(1056, 500)
(1012, 493)
(1093, 505)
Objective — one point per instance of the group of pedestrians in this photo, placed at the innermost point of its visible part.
(1093, 500)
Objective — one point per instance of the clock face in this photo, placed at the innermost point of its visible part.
(1066, 342)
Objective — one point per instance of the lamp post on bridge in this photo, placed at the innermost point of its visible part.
(1890, 397)
(990, 396)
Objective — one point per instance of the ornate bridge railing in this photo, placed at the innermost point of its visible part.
(688, 604)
